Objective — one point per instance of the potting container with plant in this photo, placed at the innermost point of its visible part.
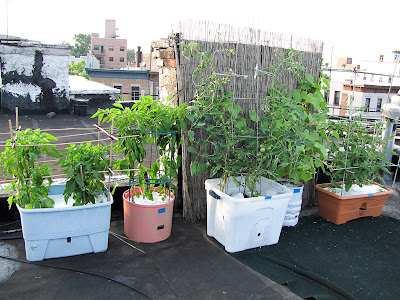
(247, 151)
(357, 158)
(63, 219)
(148, 136)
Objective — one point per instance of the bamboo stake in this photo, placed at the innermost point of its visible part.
(98, 132)
(10, 127)
(16, 117)
(83, 185)
(111, 154)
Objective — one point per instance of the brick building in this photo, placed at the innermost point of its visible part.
(110, 51)
(133, 84)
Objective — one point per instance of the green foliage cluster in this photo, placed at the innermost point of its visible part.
(21, 161)
(285, 138)
(31, 188)
(84, 165)
(148, 121)
(358, 153)
(78, 69)
(82, 45)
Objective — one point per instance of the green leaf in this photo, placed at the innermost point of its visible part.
(335, 134)
(191, 149)
(118, 105)
(296, 94)
(314, 101)
(191, 135)
(236, 110)
(253, 115)
(299, 150)
(78, 179)
(310, 79)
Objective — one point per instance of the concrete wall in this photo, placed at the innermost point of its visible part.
(34, 77)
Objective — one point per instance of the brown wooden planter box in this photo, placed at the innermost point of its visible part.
(340, 209)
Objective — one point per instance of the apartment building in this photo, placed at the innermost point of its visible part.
(110, 50)
(366, 88)
(133, 84)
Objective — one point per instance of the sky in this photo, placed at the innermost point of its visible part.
(357, 29)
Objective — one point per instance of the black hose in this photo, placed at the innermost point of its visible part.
(77, 271)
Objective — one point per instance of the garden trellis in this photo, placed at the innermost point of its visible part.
(95, 134)
(254, 52)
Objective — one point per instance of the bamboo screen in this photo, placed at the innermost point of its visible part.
(254, 51)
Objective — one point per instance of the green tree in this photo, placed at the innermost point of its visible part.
(82, 44)
(78, 69)
(131, 54)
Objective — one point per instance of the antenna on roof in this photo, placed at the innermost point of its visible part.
(7, 16)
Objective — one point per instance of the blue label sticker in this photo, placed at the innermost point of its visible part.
(268, 197)
(370, 195)
(296, 191)
(214, 195)
(161, 210)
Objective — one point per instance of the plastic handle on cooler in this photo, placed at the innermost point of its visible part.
(214, 195)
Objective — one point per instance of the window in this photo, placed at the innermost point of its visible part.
(98, 48)
(349, 61)
(121, 59)
(337, 98)
(118, 86)
(367, 103)
(111, 48)
(135, 93)
(121, 48)
(379, 105)
(111, 58)
(381, 58)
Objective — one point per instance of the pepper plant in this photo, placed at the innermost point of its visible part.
(148, 121)
(84, 166)
(20, 160)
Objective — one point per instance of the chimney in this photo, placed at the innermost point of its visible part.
(138, 57)
(111, 29)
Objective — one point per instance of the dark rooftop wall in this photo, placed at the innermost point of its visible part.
(34, 79)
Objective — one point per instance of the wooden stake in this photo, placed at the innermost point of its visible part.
(10, 127)
(111, 152)
(16, 118)
(98, 131)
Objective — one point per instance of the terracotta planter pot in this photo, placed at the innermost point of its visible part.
(147, 223)
(340, 209)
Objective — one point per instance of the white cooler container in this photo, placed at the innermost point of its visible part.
(65, 231)
(245, 223)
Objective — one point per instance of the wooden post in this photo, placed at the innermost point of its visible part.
(111, 152)
(16, 118)
(10, 127)
(98, 131)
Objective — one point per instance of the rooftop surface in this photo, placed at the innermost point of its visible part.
(188, 265)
